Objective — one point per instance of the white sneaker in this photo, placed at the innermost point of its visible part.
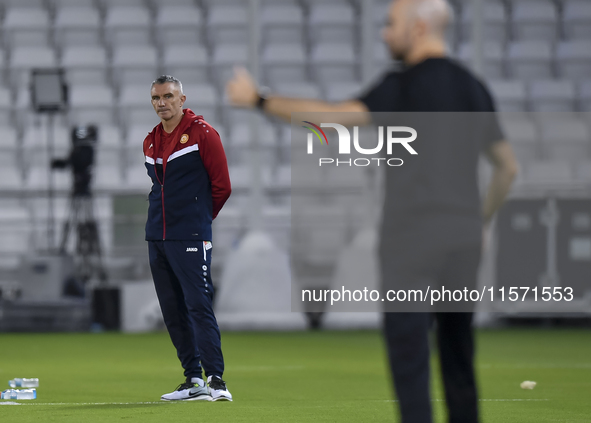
(217, 389)
(192, 390)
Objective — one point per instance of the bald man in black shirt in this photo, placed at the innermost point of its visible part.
(433, 217)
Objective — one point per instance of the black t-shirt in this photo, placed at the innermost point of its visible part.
(440, 183)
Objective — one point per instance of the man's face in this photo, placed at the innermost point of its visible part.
(396, 33)
(167, 100)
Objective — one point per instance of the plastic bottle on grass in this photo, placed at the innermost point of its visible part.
(19, 394)
(20, 382)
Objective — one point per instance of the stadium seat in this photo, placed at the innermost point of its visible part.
(282, 177)
(577, 19)
(495, 21)
(7, 137)
(228, 227)
(333, 62)
(241, 177)
(227, 24)
(22, 59)
(573, 59)
(331, 23)
(135, 64)
(277, 223)
(134, 95)
(85, 64)
(203, 100)
(534, 20)
(509, 95)
(225, 57)
(6, 102)
(36, 137)
(39, 4)
(187, 63)
(241, 142)
(10, 179)
(585, 96)
(241, 134)
(282, 23)
(3, 64)
(284, 63)
(583, 172)
(37, 178)
(134, 100)
(523, 135)
(15, 227)
(548, 174)
(109, 136)
(530, 59)
(237, 172)
(175, 23)
(122, 3)
(107, 177)
(552, 96)
(141, 116)
(26, 26)
(493, 66)
(184, 3)
(136, 177)
(58, 4)
(91, 104)
(135, 136)
(77, 26)
(127, 25)
(564, 137)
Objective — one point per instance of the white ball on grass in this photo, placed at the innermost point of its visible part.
(528, 384)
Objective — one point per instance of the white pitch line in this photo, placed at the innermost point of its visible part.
(177, 402)
(90, 403)
(536, 366)
(492, 399)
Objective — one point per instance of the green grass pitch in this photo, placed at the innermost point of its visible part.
(287, 377)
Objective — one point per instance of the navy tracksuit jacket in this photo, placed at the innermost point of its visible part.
(191, 183)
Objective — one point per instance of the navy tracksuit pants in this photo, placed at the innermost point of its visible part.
(182, 277)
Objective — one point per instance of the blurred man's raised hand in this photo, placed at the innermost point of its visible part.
(242, 89)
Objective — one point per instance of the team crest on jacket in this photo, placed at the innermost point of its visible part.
(184, 139)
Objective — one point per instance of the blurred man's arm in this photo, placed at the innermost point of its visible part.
(505, 170)
(243, 92)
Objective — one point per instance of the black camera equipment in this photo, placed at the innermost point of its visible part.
(81, 214)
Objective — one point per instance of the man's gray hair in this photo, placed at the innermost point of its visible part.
(163, 79)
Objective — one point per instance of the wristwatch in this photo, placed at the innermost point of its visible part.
(263, 94)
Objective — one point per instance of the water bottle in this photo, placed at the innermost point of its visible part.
(19, 382)
(19, 394)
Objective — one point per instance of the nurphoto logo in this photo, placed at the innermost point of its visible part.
(345, 144)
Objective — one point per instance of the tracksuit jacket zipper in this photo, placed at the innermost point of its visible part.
(161, 196)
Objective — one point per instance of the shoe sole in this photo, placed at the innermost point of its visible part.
(197, 398)
(200, 398)
(222, 399)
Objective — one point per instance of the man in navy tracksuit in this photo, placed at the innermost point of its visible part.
(187, 164)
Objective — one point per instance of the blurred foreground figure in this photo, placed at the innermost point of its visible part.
(432, 218)
(187, 164)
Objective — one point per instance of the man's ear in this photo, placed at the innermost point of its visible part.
(183, 99)
(421, 28)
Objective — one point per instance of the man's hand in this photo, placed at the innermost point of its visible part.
(242, 89)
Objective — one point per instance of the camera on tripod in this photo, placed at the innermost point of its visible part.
(81, 218)
(81, 159)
